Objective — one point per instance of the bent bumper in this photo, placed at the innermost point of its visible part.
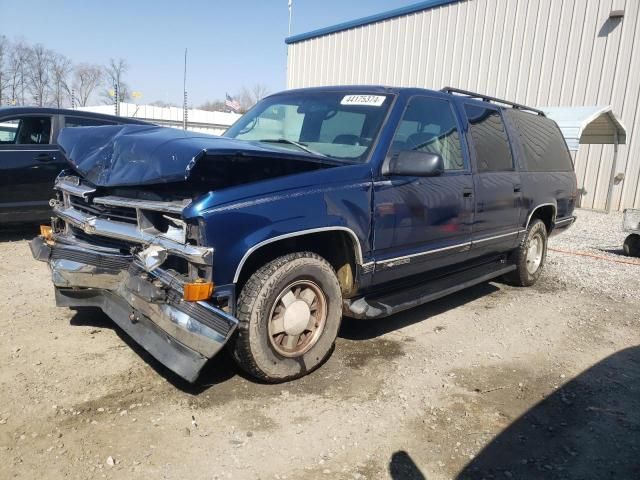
(148, 306)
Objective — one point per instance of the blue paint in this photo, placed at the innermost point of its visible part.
(398, 12)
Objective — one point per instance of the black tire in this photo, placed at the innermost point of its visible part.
(525, 274)
(631, 245)
(256, 348)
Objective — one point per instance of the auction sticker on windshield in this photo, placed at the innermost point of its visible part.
(368, 100)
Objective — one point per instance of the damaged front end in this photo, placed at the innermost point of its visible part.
(143, 265)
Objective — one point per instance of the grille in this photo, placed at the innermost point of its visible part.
(107, 212)
(111, 262)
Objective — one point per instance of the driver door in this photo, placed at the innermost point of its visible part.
(423, 223)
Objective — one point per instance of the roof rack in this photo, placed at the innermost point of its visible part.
(487, 98)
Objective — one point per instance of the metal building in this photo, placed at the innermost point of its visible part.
(536, 52)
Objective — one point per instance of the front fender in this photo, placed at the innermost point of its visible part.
(238, 229)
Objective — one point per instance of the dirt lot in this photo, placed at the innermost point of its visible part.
(496, 382)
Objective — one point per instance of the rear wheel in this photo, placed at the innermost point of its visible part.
(631, 245)
(530, 255)
(289, 312)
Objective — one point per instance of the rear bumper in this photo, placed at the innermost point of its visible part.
(148, 306)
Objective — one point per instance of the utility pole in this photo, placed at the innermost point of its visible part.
(184, 89)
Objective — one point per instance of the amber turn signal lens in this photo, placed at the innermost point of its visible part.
(46, 231)
(198, 290)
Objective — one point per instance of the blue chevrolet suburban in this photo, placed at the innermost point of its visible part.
(360, 201)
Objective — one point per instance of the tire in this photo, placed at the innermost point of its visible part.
(268, 345)
(529, 256)
(631, 245)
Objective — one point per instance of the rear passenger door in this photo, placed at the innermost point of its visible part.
(497, 182)
(29, 164)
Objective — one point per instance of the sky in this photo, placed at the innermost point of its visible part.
(231, 43)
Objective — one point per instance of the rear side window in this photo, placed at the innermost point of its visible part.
(542, 142)
(85, 122)
(489, 138)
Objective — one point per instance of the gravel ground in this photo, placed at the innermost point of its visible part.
(598, 234)
(494, 382)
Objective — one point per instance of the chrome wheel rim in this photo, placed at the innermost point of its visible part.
(297, 318)
(534, 253)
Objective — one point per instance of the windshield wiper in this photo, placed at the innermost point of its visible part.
(301, 146)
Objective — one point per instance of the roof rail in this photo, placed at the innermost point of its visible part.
(487, 98)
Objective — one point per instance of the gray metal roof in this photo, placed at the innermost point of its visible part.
(587, 125)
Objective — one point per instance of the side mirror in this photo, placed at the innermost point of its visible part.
(415, 164)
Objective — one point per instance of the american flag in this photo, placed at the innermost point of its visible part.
(232, 103)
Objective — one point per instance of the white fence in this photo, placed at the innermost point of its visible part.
(197, 120)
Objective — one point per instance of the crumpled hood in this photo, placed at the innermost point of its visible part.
(121, 155)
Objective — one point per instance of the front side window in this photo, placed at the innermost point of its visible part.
(337, 125)
(26, 131)
(429, 125)
(489, 139)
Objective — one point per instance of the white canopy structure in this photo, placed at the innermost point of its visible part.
(587, 125)
(590, 125)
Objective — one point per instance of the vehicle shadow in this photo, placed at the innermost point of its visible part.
(587, 429)
(222, 367)
(356, 329)
(15, 234)
(217, 370)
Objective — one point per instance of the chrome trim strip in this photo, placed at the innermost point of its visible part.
(130, 233)
(564, 220)
(537, 207)
(172, 207)
(27, 150)
(63, 183)
(486, 239)
(358, 250)
(428, 252)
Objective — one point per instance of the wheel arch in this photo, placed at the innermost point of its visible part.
(545, 212)
(340, 246)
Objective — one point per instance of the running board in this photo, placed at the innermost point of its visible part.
(387, 304)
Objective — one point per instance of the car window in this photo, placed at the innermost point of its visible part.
(71, 122)
(429, 125)
(28, 130)
(489, 139)
(8, 131)
(544, 147)
(338, 125)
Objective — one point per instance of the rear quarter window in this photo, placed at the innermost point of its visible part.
(542, 143)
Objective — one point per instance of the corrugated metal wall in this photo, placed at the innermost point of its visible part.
(537, 52)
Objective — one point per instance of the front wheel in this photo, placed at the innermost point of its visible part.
(530, 255)
(289, 312)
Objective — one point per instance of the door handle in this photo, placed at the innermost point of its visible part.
(467, 193)
(517, 188)
(45, 157)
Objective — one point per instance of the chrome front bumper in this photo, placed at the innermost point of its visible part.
(148, 306)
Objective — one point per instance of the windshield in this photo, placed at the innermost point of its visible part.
(339, 125)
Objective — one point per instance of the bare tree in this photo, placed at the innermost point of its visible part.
(18, 59)
(249, 96)
(114, 76)
(4, 73)
(38, 74)
(60, 71)
(86, 78)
